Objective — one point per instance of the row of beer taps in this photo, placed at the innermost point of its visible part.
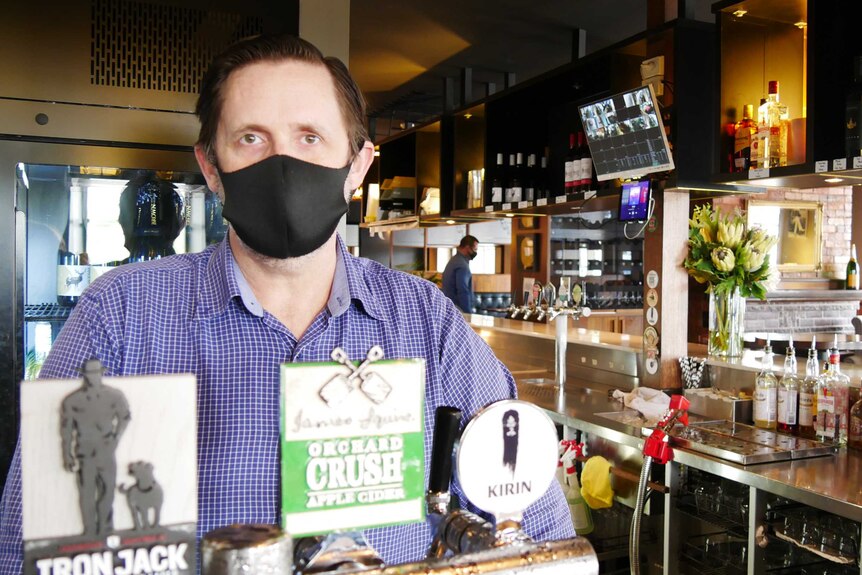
(546, 304)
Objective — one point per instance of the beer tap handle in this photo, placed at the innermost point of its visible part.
(448, 420)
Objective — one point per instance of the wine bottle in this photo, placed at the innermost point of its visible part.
(572, 167)
(544, 182)
(746, 129)
(73, 271)
(530, 181)
(516, 180)
(585, 167)
(497, 182)
(852, 281)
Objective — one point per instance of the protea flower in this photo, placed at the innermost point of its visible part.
(730, 234)
(723, 259)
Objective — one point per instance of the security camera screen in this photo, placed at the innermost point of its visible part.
(626, 135)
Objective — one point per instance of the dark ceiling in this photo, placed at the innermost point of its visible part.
(401, 50)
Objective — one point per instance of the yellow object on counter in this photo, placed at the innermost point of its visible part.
(596, 483)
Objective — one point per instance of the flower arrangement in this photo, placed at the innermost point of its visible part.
(734, 263)
(725, 255)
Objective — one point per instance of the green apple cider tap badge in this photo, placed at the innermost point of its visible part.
(352, 443)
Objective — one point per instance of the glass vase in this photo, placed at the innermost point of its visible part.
(726, 323)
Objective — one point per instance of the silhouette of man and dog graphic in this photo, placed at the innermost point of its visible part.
(93, 419)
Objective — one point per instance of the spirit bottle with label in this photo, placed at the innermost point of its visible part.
(808, 393)
(773, 117)
(766, 393)
(746, 129)
(788, 393)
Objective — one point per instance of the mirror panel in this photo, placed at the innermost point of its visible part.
(797, 225)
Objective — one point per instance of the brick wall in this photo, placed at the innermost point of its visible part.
(799, 316)
(837, 219)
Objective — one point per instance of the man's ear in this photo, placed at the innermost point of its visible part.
(208, 169)
(359, 167)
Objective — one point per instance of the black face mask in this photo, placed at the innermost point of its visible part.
(471, 255)
(283, 207)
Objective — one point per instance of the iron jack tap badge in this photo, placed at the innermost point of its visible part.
(352, 443)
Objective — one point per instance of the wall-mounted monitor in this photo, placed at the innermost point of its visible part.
(626, 136)
(634, 201)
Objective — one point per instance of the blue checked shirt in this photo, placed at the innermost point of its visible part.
(195, 313)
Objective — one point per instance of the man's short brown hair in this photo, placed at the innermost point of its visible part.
(468, 241)
(275, 48)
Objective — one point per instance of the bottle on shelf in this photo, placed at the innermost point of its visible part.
(581, 516)
(530, 180)
(584, 177)
(766, 393)
(544, 183)
(516, 179)
(808, 393)
(788, 392)
(152, 215)
(728, 137)
(572, 167)
(73, 270)
(746, 129)
(497, 182)
(852, 281)
(760, 139)
(853, 113)
(510, 178)
(774, 118)
(840, 385)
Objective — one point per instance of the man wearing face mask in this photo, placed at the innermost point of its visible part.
(457, 277)
(283, 142)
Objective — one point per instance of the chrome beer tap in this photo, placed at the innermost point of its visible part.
(549, 299)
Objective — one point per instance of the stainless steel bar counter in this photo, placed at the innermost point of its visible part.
(599, 362)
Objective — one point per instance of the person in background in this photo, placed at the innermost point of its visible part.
(283, 142)
(457, 277)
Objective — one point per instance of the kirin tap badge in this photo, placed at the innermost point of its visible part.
(352, 451)
(108, 469)
(507, 457)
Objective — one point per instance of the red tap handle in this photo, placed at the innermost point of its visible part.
(657, 447)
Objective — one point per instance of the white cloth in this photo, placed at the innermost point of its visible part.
(651, 403)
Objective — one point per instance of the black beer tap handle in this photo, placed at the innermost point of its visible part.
(448, 420)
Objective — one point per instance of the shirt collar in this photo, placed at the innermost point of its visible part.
(224, 281)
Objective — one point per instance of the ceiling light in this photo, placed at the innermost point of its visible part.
(510, 215)
(450, 222)
(468, 115)
(801, 25)
(740, 13)
(833, 180)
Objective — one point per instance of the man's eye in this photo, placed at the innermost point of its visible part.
(250, 139)
(310, 139)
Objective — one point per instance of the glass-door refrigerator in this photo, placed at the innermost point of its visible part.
(79, 212)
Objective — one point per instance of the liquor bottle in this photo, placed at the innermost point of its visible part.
(840, 385)
(581, 516)
(765, 393)
(760, 139)
(808, 393)
(584, 177)
(746, 129)
(572, 167)
(497, 182)
(775, 122)
(728, 138)
(152, 215)
(852, 270)
(788, 392)
(530, 180)
(73, 270)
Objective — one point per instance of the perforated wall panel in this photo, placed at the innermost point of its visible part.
(155, 47)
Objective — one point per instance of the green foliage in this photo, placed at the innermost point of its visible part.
(724, 254)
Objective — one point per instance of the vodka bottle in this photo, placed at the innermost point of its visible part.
(788, 393)
(766, 393)
(808, 393)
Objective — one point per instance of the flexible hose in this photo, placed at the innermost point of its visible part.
(635, 534)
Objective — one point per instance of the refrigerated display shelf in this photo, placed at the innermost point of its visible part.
(46, 312)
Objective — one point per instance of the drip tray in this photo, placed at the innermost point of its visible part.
(746, 444)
